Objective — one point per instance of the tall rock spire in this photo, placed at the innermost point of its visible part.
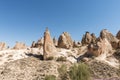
(48, 47)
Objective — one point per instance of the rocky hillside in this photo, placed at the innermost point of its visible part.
(44, 57)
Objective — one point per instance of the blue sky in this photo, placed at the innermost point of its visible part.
(26, 20)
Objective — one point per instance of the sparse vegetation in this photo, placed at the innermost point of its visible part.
(50, 77)
(10, 56)
(1, 55)
(63, 72)
(50, 58)
(79, 72)
(61, 59)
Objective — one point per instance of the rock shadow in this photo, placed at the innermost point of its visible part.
(83, 56)
(35, 55)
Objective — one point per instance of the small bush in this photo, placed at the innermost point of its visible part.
(79, 72)
(1, 55)
(50, 58)
(61, 58)
(63, 72)
(50, 77)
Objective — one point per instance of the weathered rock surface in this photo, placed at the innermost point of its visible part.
(3, 46)
(110, 37)
(88, 38)
(49, 48)
(65, 41)
(101, 47)
(19, 45)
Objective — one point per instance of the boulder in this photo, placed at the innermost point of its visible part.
(65, 41)
(101, 47)
(19, 45)
(110, 37)
(49, 48)
(3, 46)
(88, 38)
(118, 35)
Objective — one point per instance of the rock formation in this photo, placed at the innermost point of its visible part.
(65, 41)
(33, 44)
(49, 48)
(55, 41)
(19, 45)
(93, 38)
(38, 44)
(76, 44)
(101, 47)
(110, 37)
(88, 38)
(3, 46)
(119, 44)
(118, 35)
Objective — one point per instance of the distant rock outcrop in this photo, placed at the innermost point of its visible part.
(49, 48)
(88, 38)
(76, 44)
(19, 45)
(101, 47)
(38, 44)
(118, 35)
(93, 38)
(3, 46)
(33, 44)
(55, 41)
(65, 41)
(110, 37)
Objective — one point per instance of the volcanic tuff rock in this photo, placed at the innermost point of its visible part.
(110, 37)
(76, 44)
(101, 47)
(93, 38)
(55, 41)
(118, 35)
(49, 48)
(38, 44)
(3, 46)
(33, 44)
(88, 38)
(19, 45)
(65, 41)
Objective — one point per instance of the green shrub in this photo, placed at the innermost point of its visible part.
(50, 58)
(61, 58)
(79, 72)
(63, 72)
(50, 77)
